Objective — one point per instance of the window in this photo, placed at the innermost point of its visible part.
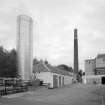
(103, 59)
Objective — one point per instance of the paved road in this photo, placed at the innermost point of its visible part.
(69, 95)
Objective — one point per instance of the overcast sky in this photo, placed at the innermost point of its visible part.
(54, 22)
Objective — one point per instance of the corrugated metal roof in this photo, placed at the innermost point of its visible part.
(58, 71)
(42, 67)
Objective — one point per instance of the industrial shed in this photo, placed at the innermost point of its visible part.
(52, 75)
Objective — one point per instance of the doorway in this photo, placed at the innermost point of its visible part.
(55, 81)
(60, 81)
(103, 80)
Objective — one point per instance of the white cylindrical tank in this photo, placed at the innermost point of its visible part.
(25, 46)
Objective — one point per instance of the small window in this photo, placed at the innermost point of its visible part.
(99, 73)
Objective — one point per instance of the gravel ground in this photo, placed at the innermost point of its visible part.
(76, 94)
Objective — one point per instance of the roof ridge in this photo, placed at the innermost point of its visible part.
(46, 67)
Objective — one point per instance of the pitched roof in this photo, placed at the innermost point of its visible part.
(58, 71)
(42, 67)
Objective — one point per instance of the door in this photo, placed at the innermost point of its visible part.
(103, 80)
(60, 81)
(55, 81)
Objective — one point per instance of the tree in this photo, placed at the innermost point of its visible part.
(46, 62)
(12, 63)
(8, 63)
(80, 74)
(65, 67)
(35, 61)
(2, 61)
(83, 73)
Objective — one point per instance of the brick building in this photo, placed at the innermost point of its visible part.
(95, 70)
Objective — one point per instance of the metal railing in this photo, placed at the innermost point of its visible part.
(10, 86)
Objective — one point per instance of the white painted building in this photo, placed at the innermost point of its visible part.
(52, 75)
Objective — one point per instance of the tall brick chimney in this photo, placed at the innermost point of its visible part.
(76, 68)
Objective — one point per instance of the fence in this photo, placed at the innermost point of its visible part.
(8, 86)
